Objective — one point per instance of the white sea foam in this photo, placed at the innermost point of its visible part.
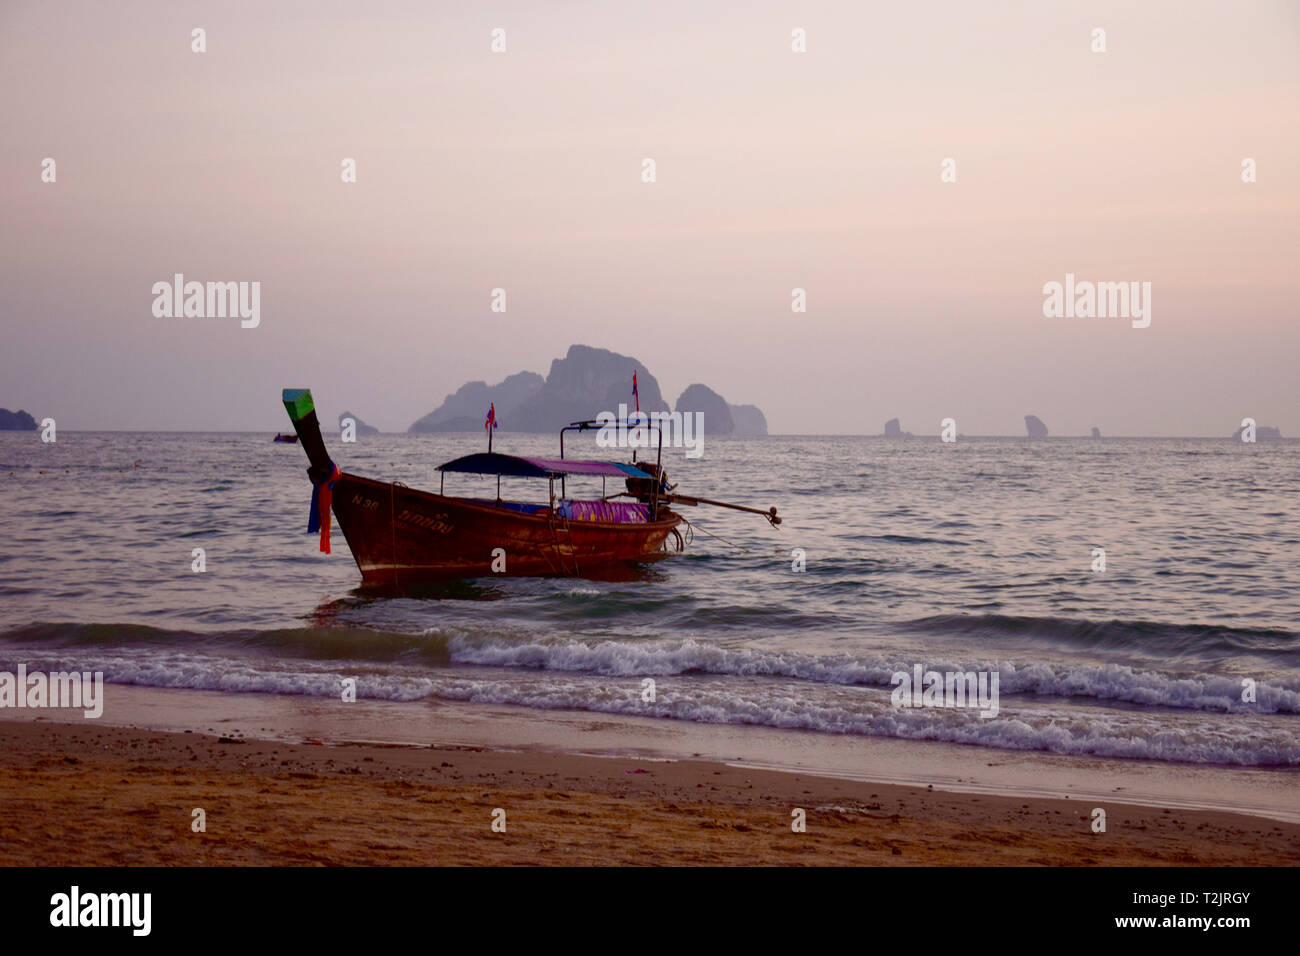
(660, 658)
(757, 699)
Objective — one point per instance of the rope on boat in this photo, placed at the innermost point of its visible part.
(733, 544)
(551, 517)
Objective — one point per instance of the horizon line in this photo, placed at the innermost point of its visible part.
(263, 431)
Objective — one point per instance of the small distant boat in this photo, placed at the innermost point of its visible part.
(400, 535)
(287, 439)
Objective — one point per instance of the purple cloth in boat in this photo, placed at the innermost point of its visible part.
(620, 512)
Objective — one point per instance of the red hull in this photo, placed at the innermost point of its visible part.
(400, 535)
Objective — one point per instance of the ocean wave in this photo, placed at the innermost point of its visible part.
(322, 643)
(1152, 637)
(626, 657)
(1115, 682)
(1240, 740)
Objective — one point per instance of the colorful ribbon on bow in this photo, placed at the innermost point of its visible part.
(322, 498)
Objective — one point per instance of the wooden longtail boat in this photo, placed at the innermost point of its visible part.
(399, 535)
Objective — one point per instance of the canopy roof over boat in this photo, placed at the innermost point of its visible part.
(492, 463)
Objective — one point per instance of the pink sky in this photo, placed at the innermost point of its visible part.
(775, 170)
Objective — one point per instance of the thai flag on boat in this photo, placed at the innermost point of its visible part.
(491, 417)
(636, 395)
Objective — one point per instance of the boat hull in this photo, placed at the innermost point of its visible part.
(400, 535)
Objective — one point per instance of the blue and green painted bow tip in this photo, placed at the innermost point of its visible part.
(298, 403)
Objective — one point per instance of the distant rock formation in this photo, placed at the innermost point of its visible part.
(1262, 433)
(894, 430)
(720, 416)
(362, 427)
(749, 421)
(1096, 432)
(586, 382)
(18, 421)
(580, 386)
(716, 411)
(465, 410)
(1035, 426)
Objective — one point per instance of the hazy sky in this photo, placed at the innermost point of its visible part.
(775, 170)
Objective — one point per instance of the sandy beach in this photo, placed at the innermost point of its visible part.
(96, 794)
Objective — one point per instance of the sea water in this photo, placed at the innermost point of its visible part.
(975, 556)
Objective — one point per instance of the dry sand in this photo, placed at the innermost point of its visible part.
(75, 794)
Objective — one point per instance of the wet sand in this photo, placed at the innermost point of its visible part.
(93, 794)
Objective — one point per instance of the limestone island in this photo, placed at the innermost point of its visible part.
(18, 421)
(586, 382)
(1034, 425)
